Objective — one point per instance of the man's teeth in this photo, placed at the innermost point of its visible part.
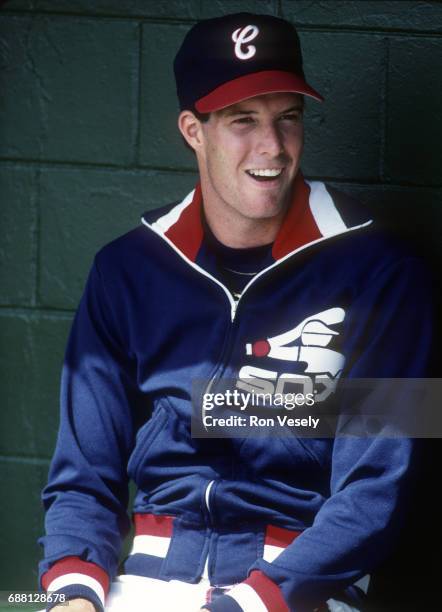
(266, 172)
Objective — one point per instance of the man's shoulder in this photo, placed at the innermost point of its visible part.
(353, 212)
(377, 238)
(134, 246)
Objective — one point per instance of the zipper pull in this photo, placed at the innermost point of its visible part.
(234, 309)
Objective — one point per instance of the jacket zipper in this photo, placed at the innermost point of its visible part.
(234, 308)
(205, 573)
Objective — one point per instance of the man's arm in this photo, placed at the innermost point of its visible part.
(370, 477)
(87, 491)
(76, 605)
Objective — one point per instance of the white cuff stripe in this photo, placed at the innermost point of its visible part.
(247, 598)
(150, 545)
(166, 221)
(84, 579)
(339, 606)
(324, 211)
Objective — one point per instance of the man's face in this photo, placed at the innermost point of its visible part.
(250, 155)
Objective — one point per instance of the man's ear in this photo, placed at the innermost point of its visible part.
(191, 129)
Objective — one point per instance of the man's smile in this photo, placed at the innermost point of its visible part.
(265, 174)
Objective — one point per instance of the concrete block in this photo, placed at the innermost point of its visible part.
(21, 516)
(343, 134)
(161, 144)
(143, 8)
(31, 360)
(83, 210)
(69, 89)
(414, 130)
(371, 14)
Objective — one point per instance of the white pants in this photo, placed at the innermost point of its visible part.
(139, 594)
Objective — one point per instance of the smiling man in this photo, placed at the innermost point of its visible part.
(248, 157)
(257, 277)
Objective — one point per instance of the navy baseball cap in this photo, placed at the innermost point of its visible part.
(228, 59)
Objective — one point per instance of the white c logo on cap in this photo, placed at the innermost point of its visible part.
(242, 36)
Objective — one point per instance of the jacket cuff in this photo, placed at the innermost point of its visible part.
(256, 594)
(72, 575)
(73, 591)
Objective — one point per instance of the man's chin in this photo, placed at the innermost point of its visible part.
(266, 211)
(270, 206)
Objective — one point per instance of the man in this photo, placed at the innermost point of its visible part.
(257, 277)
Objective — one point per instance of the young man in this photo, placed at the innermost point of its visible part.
(257, 277)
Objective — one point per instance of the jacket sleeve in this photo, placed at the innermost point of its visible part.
(389, 328)
(87, 491)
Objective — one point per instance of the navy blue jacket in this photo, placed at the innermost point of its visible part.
(293, 520)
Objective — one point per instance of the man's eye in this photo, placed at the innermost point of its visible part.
(293, 117)
(243, 120)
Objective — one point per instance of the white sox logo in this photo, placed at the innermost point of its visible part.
(307, 345)
(242, 36)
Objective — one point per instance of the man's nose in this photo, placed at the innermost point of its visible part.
(270, 141)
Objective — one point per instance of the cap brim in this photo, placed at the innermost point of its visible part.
(255, 84)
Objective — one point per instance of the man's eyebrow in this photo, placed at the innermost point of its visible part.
(232, 111)
(296, 107)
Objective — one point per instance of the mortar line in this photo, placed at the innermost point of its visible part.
(34, 237)
(189, 20)
(47, 313)
(138, 88)
(279, 11)
(71, 165)
(384, 114)
(24, 459)
(38, 239)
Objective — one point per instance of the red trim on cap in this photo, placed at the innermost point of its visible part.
(255, 84)
(278, 536)
(299, 226)
(75, 565)
(187, 233)
(268, 591)
(151, 524)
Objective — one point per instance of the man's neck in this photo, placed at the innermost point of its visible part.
(238, 231)
(245, 234)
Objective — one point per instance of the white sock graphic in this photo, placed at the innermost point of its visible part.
(315, 334)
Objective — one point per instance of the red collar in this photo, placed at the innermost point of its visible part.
(298, 228)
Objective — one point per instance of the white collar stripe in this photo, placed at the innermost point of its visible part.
(165, 222)
(324, 211)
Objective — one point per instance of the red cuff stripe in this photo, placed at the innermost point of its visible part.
(268, 591)
(277, 536)
(151, 524)
(75, 565)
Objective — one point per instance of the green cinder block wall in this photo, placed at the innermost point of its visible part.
(88, 142)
